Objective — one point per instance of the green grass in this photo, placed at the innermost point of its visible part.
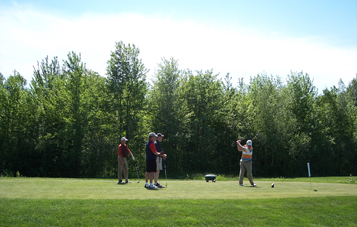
(327, 211)
(52, 188)
(97, 202)
(344, 179)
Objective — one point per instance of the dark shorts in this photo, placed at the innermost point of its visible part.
(151, 166)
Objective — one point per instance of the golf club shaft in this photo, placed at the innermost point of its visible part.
(137, 173)
(165, 175)
(252, 138)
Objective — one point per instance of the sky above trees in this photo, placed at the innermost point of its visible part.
(237, 37)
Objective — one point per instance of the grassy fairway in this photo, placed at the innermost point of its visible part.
(50, 188)
(93, 202)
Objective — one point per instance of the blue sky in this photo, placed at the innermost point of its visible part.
(243, 38)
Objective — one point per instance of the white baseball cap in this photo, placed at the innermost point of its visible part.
(152, 134)
(123, 139)
(250, 143)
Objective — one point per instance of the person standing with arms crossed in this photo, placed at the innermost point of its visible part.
(151, 155)
(123, 151)
(158, 159)
(246, 162)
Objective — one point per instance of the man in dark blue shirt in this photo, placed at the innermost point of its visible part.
(151, 155)
(158, 159)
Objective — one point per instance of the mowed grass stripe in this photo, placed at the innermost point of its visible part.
(47, 188)
(318, 211)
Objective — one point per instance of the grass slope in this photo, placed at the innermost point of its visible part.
(324, 211)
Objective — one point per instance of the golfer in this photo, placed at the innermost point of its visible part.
(151, 155)
(158, 159)
(123, 151)
(246, 162)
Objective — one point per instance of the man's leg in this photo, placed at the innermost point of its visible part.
(120, 170)
(156, 174)
(156, 177)
(249, 172)
(125, 169)
(147, 174)
(241, 172)
(151, 176)
(151, 170)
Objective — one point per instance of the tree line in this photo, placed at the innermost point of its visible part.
(68, 120)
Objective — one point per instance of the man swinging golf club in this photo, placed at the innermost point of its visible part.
(123, 151)
(246, 162)
(151, 155)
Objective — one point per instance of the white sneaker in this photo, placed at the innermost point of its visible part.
(152, 186)
(254, 185)
(146, 185)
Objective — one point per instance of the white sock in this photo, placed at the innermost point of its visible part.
(147, 183)
(150, 184)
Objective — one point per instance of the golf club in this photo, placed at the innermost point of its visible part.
(251, 138)
(137, 172)
(247, 138)
(165, 175)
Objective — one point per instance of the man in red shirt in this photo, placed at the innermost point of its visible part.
(123, 151)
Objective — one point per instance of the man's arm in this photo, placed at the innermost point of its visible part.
(132, 156)
(239, 146)
(130, 153)
(153, 150)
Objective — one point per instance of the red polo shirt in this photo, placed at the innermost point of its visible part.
(123, 150)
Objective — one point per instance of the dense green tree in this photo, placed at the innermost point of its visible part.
(127, 87)
(338, 119)
(301, 104)
(48, 90)
(201, 104)
(3, 103)
(163, 108)
(17, 125)
(96, 152)
(231, 116)
(74, 69)
(69, 121)
(268, 112)
(352, 90)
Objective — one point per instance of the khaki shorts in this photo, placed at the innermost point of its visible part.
(159, 163)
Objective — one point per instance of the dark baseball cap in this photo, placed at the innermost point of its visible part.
(159, 134)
